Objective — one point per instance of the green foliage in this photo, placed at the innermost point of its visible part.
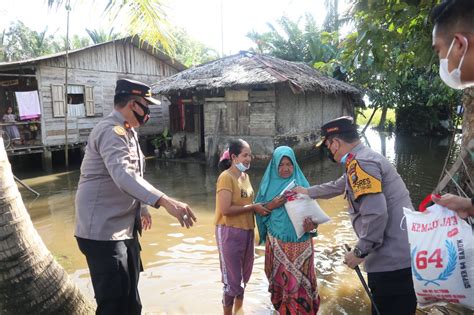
(162, 141)
(363, 117)
(146, 18)
(101, 36)
(191, 52)
(78, 42)
(285, 40)
(19, 42)
(289, 40)
(390, 55)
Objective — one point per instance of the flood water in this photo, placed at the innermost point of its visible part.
(182, 267)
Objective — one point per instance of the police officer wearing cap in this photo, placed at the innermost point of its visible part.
(111, 201)
(376, 195)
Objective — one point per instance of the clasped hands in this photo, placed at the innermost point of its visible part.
(265, 209)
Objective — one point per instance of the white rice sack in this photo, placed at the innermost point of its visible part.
(442, 256)
(301, 206)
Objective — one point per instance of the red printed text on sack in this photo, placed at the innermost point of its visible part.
(426, 227)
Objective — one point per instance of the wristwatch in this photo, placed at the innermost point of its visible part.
(358, 253)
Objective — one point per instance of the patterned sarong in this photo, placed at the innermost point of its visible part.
(292, 280)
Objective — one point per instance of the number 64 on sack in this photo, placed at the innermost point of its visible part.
(442, 256)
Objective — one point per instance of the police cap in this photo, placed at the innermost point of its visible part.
(336, 126)
(132, 87)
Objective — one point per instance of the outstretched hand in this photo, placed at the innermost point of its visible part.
(179, 210)
(300, 190)
(260, 209)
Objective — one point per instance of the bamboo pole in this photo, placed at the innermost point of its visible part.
(66, 146)
(26, 186)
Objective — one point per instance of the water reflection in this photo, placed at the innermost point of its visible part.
(182, 266)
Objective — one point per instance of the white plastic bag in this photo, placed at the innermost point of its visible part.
(442, 256)
(301, 206)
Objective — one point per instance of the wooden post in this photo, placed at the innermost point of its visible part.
(66, 146)
(211, 158)
(47, 160)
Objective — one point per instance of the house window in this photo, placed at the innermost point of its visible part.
(181, 117)
(75, 101)
(80, 100)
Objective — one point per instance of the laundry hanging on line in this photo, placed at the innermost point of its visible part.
(28, 104)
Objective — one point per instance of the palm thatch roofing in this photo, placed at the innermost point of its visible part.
(245, 70)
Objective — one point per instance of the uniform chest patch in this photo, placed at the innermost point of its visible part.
(360, 181)
(119, 130)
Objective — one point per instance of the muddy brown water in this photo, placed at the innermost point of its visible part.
(182, 267)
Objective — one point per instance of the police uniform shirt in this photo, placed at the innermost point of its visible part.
(376, 195)
(111, 184)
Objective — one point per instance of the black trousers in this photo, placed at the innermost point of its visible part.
(115, 268)
(393, 292)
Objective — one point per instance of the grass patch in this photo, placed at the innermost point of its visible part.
(362, 121)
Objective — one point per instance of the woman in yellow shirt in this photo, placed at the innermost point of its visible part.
(235, 222)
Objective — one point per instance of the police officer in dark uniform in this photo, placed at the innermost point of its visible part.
(111, 201)
(376, 195)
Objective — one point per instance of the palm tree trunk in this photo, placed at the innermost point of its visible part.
(31, 281)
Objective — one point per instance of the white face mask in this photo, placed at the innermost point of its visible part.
(453, 78)
(241, 167)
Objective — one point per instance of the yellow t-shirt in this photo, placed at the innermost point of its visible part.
(242, 194)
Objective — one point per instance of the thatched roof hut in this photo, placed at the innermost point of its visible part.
(245, 70)
(266, 100)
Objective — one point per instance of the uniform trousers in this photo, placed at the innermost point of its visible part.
(114, 268)
(393, 292)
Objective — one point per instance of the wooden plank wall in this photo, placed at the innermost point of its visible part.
(99, 67)
(249, 115)
(252, 117)
(306, 113)
(262, 113)
(115, 57)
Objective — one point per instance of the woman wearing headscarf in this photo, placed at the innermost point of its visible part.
(289, 260)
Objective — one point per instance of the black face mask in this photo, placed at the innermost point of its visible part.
(142, 119)
(329, 154)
